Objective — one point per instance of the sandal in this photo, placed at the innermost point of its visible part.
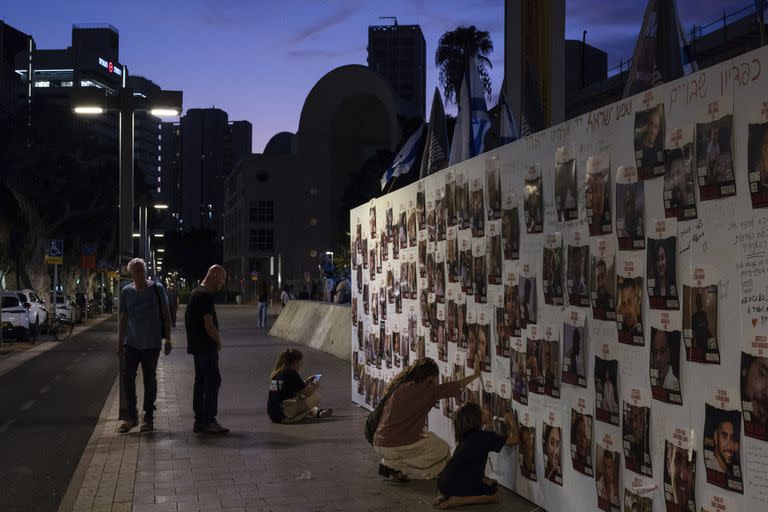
(396, 475)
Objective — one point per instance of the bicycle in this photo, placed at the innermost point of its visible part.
(60, 329)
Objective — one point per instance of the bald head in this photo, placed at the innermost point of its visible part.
(215, 278)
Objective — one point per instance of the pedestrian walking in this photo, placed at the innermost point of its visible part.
(173, 301)
(143, 324)
(204, 343)
(262, 297)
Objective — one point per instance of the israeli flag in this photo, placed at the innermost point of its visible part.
(472, 122)
(508, 130)
(404, 159)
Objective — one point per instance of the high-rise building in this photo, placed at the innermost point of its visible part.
(170, 176)
(399, 54)
(14, 44)
(210, 147)
(147, 148)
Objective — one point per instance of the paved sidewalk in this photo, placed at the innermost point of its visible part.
(259, 466)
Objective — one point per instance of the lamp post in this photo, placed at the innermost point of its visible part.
(91, 101)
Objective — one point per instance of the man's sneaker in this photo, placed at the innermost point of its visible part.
(214, 428)
(325, 413)
(199, 427)
(148, 424)
(126, 426)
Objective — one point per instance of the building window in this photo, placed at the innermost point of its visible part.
(260, 240)
(262, 211)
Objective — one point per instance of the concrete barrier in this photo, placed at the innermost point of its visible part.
(318, 325)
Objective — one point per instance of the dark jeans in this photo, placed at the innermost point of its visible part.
(148, 361)
(207, 383)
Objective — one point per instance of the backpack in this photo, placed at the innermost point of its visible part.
(372, 422)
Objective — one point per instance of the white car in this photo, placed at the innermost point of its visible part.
(35, 309)
(66, 309)
(14, 317)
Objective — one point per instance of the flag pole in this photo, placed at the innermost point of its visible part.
(392, 184)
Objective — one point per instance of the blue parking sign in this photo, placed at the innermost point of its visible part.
(55, 248)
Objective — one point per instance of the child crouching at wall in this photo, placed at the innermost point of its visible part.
(463, 481)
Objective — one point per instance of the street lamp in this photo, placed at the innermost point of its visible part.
(94, 101)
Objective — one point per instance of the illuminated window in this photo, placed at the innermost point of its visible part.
(42, 83)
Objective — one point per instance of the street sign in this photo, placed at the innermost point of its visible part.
(55, 253)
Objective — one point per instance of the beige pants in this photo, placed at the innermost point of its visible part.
(296, 409)
(422, 460)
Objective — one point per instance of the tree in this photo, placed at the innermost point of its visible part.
(455, 50)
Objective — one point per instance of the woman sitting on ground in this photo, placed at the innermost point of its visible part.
(292, 399)
(463, 480)
(406, 449)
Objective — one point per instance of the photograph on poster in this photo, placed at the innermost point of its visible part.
(598, 195)
(649, 142)
(550, 364)
(421, 206)
(412, 277)
(500, 410)
(517, 369)
(431, 272)
(637, 503)
(527, 453)
(479, 285)
(758, 164)
(700, 324)
(578, 275)
(679, 476)
(754, 395)
(450, 320)
(607, 478)
(447, 403)
(403, 229)
(450, 200)
(629, 317)
(533, 373)
(465, 266)
(510, 231)
(366, 305)
(477, 209)
(581, 442)
(722, 442)
(431, 221)
(494, 257)
(606, 390)
(363, 253)
(360, 336)
(533, 202)
(397, 349)
(440, 282)
(635, 432)
(412, 228)
(662, 278)
(384, 248)
(502, 336)
(493, 188)
(665, 366)
(372, 221)
(461, 325)
(440, 214)
(484, 342)
(528, 294)
(359, 279)
(372, 263)
(679, 195)
(602, 279)
(452, 258)
(630, 204)
(511, 309)
(551, 442)
(375, 308)
(566, 195)
(405, 280)
(462, 201)
(714, 158)
(574, 353)
(442, 342)
(552, 265)
(471, 339)
(389, 222)
(395, 247)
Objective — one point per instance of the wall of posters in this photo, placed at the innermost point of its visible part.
(560, 257)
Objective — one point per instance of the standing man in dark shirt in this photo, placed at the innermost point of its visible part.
(204, 343)
(262, 296)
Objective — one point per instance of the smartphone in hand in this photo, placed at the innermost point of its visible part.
(316, 378)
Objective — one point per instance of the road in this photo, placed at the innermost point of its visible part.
(48, 409)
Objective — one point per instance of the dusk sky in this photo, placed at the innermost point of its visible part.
(258, 59)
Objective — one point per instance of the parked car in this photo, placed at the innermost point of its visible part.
(66, 308)
(14, 317)
(35, 309)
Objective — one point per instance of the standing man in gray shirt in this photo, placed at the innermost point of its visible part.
(145, 320)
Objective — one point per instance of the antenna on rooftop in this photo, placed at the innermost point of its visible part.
(394, 18)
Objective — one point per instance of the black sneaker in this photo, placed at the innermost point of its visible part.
(198, 427)
(147, 424)
(214, 428)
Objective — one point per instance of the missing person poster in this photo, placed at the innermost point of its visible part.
(629, 314)
(700, 315)
(518, 371)
(421, 206)
(533, 368)
(552, 265)
(527, 449)
(493, 188)
(479, 270)
(577, 270)
(527, 290)
(679, 470)
(566, 193)
(630, 205)
(718, 502)
(714, 150)
(512, 302)
(533, 201)
(493, 253)
(665, 357)
(606, 388)
(477, 208)
(574, 349)
(551, 440)
(754, 392)
(722, 441)
(758, 160)
(608, 460)
(662, 265)
(635, 502)
(635, 430)
(484, 348)
(550, 361)
(649, 142)
(598, 195)
(581, 437)
(679, 195)
(510, 227)
(602, 279)
(450, 198)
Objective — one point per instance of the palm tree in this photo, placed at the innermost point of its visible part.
(455, 50)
